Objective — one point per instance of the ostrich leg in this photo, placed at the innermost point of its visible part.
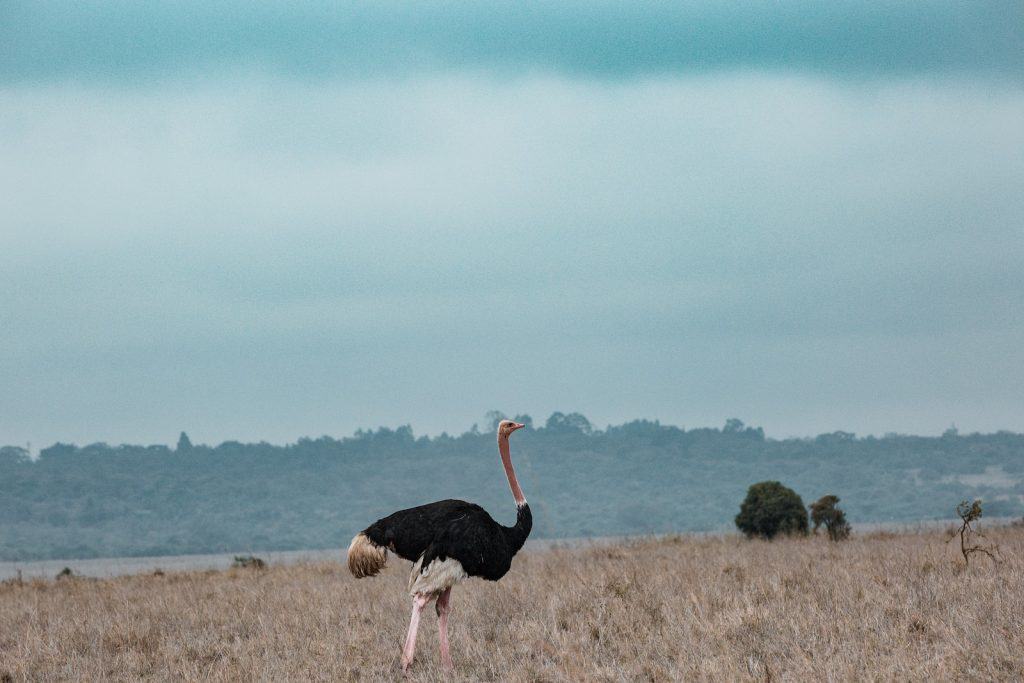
(442, 607)
(419, 601)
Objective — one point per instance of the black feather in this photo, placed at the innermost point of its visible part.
(457, 529)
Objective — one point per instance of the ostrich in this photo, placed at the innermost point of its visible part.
(448, 541)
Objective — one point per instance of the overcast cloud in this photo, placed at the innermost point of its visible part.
(263, 224)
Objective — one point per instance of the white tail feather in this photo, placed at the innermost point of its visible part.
(365, 558)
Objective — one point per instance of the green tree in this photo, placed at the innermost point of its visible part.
(184, 443)
(573, 423)
(771, 509)
(733, 425)
(14, 455)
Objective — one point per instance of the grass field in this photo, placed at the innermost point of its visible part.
(881, 606)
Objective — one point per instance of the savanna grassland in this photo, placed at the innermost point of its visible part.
(880, 606)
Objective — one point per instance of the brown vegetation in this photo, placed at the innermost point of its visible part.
(879, 607)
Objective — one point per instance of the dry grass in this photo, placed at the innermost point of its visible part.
(882, 606)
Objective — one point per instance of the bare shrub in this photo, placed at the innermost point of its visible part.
(248, 562)
(969, 513)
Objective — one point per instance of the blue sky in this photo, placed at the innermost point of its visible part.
(263, 223)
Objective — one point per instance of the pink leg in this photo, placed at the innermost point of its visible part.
(442, 627)
(419, 601)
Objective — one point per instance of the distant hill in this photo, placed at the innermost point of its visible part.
(638, 477)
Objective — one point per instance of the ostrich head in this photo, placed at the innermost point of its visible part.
(506, 427)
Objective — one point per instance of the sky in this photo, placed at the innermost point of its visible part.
(266, 222)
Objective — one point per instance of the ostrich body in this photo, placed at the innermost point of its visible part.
(448, 541)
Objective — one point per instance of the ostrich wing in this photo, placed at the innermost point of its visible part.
(408, 533)
(478, 543)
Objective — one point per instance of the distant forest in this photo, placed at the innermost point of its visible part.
(635, 478)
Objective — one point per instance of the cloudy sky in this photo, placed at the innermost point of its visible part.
(276, 221)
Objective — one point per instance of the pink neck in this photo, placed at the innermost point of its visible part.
(506, 461)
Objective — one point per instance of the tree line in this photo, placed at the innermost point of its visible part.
(102, 500)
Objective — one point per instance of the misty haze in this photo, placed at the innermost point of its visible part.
(653, 341)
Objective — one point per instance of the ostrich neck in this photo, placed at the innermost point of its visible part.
(506, 461)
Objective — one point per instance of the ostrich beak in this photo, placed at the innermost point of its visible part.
(517, 425)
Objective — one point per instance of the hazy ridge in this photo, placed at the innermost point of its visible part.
(638, 477)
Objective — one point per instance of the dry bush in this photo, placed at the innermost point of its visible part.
(825, 511)
(969, 536)
(878, 607)
(248, 562)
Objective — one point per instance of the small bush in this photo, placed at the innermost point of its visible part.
(248, 562)
(65, 573)
(771, 509)
(825, 511)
